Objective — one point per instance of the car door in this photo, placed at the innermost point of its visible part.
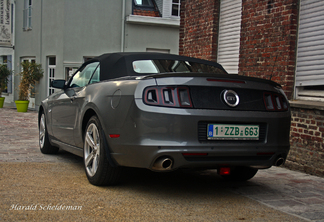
(65, 109)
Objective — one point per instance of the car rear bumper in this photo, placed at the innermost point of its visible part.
(152, 133)
(146, 157)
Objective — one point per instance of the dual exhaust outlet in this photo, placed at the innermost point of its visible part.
(280, 161)
(165, 163)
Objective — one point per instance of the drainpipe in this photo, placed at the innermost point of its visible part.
(41, 33)
(38, 99)
(123, 27)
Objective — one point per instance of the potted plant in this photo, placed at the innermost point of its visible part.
(31, 73)
(4, 74)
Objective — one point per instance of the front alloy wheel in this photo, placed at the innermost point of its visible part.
(42, 131)
(44, 143)
(97, 167)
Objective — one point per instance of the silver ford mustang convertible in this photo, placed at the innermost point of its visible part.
(164, 112)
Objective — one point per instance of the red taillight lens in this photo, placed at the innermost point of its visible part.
(275, 102)
(284, 103)
(168, 96)
(152, 96)
(278, 102)
(184, 97)
(268, 101)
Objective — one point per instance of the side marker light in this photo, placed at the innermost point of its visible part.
(114, 135)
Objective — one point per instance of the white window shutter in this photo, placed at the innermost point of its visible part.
(167, 8)
(310, 50)
(229, 35)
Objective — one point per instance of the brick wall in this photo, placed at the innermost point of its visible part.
(143, 12)
(268, 41)
(306, 139)
(198, 28)
(267, 50)
(268, 37)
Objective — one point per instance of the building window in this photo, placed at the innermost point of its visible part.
(146, 3)
(169, 8)
(51, 73)
(175, 8)
(309, 81)
(4, 61)
(69, 71)
(27, 15)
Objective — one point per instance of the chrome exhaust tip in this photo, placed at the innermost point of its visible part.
(280, 161)
(163, 163)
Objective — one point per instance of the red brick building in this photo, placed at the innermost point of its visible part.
(281, 40)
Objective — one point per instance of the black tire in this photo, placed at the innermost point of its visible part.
(98, 170)
(44, 143)
(241, 173)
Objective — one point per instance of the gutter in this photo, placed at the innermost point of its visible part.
(123, 27)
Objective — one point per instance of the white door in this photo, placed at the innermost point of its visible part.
(51, 66)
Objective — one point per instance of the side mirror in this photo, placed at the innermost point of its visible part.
(59, 84)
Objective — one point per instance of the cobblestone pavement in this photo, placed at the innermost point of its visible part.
(18, 137)
(291, 192)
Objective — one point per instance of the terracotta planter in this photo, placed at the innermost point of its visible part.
(1, 101)
(22, 105)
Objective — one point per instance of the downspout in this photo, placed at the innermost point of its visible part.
(41, 31)
(295, 89)
(123, 27)
(40, 55)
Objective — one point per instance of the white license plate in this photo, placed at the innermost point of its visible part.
(232, 132)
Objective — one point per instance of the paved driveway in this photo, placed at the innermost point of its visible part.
(41, 187)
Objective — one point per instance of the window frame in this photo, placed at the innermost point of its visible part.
(50, 75)
(166, 8)
(175, 4)
(27, 15)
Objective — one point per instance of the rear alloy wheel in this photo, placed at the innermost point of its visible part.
(97, 167)
(241, 173)
(44, 143)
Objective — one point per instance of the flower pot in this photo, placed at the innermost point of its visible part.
(22, 105)
(1, 101)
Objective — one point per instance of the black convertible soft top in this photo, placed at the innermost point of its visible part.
(116, 65)
(119, 64)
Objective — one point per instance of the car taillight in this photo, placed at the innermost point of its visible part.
(168, 96)
(275, 102)
(184, 97)
(152, 96)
